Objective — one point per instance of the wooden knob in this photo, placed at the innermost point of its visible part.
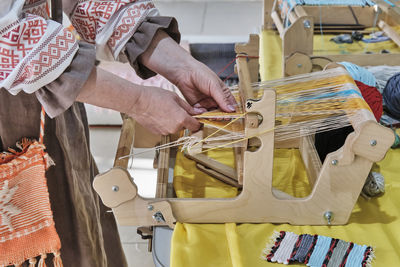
(115, 187)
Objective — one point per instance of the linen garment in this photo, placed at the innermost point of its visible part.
(88, 233)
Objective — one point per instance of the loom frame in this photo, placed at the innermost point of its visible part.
(297, 39)
(337, 182)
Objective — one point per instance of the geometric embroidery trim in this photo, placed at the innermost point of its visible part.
(34, 52)
(109, 24)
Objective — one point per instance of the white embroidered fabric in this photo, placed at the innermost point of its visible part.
(33, 51)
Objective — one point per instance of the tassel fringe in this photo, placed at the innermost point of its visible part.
(57, 262)
(42, 262)
(6, 157)
(32, 262)
(270, 244)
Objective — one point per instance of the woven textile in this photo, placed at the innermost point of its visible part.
(319, 251)
(26, 221)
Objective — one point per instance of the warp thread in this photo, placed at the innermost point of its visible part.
(316, 251)
(359, 73)
(391, 95)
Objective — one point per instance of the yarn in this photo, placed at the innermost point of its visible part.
(391, 95)
(374, 185)
(383, 74)
(373, 98)
(359, 73)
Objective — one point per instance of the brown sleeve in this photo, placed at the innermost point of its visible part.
(142, 38)
(59, 95)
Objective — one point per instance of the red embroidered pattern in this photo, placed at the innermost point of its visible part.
(36, 7)
(90, 16)
(121, 17)
(48, 58)
(127, 23)
(16, 43)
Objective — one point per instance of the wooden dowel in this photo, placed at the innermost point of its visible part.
(125, 141)
(389, 31)
(278, 22)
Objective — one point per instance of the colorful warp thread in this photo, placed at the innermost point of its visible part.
(316, 251)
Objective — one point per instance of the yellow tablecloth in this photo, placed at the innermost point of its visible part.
(373, 222)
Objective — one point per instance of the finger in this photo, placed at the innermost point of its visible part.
(198, 108)
(192, 124)
(231, 98)
(188, 108)
(208, 103)
(224, 98)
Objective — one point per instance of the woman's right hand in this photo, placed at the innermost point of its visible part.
(163, 112)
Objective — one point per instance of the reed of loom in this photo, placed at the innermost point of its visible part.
(297, 39)
(337, 182)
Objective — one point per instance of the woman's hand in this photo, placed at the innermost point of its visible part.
(200, 86)
(163, 112)
(159, 110)
(203, 89)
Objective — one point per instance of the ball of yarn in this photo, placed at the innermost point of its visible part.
(374, 185)
(391, 95)
(382, 75)
(373, 98)
(360, 74)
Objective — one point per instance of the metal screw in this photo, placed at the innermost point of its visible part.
(158, 217)
(299, 65)
(328, 217)
(334, 162)
(307, 24)
(150, 207)
(373, 142)
(115, 188)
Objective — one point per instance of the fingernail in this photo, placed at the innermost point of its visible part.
(199, 110)
(231, 108)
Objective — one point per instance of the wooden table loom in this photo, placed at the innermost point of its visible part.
(336, 183)
(297, 39)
